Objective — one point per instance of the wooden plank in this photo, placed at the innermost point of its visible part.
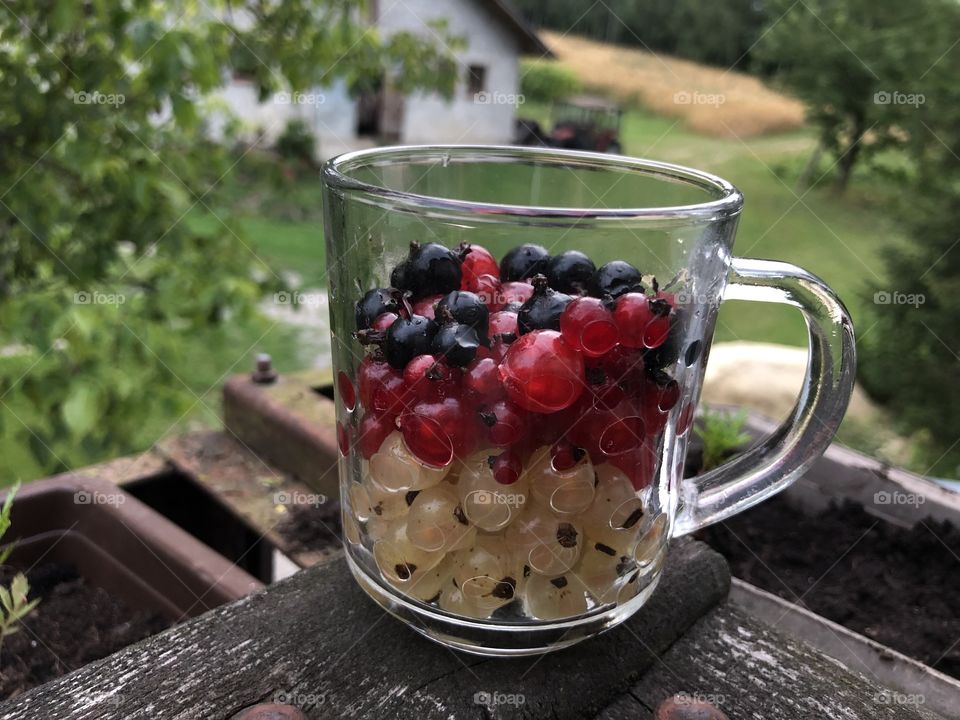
(751, 671)
(315, 640)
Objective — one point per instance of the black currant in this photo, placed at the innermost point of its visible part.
(523, 261)
(407, 338)
(570, 272)
(542, 311)
(375, 302)
(457, 343)
(465, 307)
(616, 278)
(430, 269)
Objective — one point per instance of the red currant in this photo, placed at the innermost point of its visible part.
(487, 287)
(439, 431)
(639, 464)
(373, 431)
(516, 292)
(476, 261)
(588, 326)
(481, 381)
(622, 366)
(382, 388)
(429, 378)
(506, 423)
(632, 314)
(565, 455)
(502, 323)
(427, 306)
(507, 468)
(659, 396)
(542, 373)
(384, 321)
(348, 395)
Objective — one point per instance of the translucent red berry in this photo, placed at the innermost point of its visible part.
(542, 373)
(426, 306)
(481, 381)
(587, 325)
(373, 431)
(381, 387)
(476, 261)
(439, 431)
(348, 395)
(384, 321)
(502, 323)
(506, 424)
(429, 378)
(507, 468)
(632, 314)
(516, 292)
(565, 455)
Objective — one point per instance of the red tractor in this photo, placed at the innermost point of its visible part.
(579, 123)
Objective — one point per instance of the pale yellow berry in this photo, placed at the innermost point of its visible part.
(486, 503)
(554, 598)
(452, 600)
(398, 559)
(486, 573)
(437, 522)
(565, 492)
(545, 543)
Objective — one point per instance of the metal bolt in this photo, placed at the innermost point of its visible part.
(685, 707)
(263, 372)
(270, 711)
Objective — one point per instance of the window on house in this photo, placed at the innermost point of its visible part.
(476, 79)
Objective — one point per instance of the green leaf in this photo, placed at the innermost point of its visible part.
(80, 409)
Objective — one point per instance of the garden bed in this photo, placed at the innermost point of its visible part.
(107, 570)
(895, 585)
(75, 623)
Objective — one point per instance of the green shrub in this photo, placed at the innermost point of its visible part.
(126, 295)
(297, 142)
(546, 81)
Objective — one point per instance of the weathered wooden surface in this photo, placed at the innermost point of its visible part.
(316, 641)
(753, 672)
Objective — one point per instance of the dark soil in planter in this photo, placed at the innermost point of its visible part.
(74, 624)
(900, 587)
(312, 527)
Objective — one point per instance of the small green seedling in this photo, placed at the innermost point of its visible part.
(721, 433)
(15, 606)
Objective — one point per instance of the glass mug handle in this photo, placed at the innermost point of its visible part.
(786, 454)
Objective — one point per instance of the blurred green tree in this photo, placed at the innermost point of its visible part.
(109, 296)
(861, 66)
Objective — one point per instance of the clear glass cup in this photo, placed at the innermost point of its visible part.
(518, 498)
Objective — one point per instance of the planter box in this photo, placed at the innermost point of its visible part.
(892, 496)
(119, 544)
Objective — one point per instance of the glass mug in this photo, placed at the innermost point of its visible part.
(509, 487)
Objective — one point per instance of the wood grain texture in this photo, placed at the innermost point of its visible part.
(317, 642)
(753, 672)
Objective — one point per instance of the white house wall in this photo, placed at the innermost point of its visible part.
(428, 117)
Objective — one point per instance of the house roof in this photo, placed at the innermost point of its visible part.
(530, 42)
